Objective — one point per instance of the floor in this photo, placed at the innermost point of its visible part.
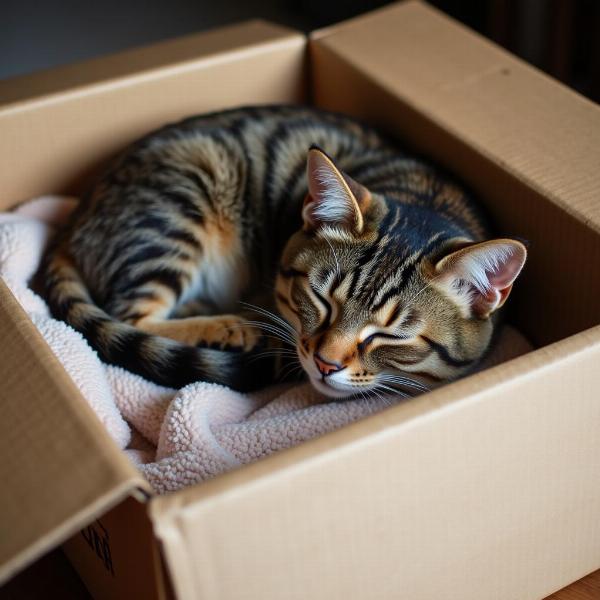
(587, 588)
(53, 573)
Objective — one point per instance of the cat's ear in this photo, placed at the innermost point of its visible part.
(479, 277)
(333, 198)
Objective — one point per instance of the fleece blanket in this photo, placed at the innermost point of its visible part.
(176, 437)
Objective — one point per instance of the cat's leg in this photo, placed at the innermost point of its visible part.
(226, 332)
(160, 294)
(150, 311)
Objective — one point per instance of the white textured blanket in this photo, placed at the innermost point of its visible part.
(176, 437)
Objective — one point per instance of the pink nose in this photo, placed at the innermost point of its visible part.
(326, 367)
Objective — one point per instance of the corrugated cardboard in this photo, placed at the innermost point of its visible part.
(527, 144)
(80, 115)
(481, 491)
(484, 489)
(117, 556)
(47, 494)
(56, 453)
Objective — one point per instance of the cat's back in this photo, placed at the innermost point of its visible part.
(246, 167)
(258, 154)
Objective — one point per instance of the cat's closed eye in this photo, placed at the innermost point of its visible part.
(326, 304)
(379, 336)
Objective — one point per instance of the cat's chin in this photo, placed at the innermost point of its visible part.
(332, 392)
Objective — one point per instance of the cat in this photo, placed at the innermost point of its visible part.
(380, 266)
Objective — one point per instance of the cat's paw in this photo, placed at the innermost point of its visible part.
(230, 332)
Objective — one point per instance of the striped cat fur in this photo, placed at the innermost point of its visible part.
(380, 267)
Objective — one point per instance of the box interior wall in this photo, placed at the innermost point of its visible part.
(556, 296)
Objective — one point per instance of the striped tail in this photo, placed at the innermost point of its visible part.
(161, 360)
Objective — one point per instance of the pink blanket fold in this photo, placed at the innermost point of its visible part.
(177, 437)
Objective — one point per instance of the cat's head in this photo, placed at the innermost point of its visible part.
(378, 307)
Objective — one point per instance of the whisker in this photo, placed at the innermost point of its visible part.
(277, 337)
(404, 381)
(404, 388)
(394, 391)
(406, 384)
(363, 395)
(377, 392)
(274, 353)
(371, 401)
(262, 324)
(281, 334)
(391, 394)
(379, 396)
(284, 335)
(288, 370)
(270, 315)
(297, 373)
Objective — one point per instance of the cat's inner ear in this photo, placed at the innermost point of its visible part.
(479, 277)
(334, 199)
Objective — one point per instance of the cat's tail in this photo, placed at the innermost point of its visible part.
(161, 360)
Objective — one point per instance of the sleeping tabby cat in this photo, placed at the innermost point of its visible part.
(379, 266)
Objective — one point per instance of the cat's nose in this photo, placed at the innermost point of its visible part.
(325, 367)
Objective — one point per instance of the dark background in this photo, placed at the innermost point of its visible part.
(562, 37)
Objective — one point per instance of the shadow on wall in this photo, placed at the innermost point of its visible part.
(559, 36)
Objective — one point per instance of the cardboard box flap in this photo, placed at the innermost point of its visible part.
(89, 111)
(137, 62)
(499, 105)
(60, 469)
(470, 474)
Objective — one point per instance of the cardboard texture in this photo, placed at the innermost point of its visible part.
(50, 142)
(507, 129)
(46, 494)
(118, 554)
(484, 489)
(111, 103)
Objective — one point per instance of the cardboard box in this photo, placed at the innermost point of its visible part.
(488, 488)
